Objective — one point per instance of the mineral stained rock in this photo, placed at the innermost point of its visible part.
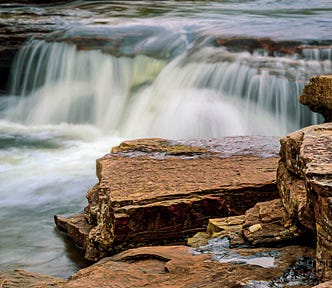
(317, 95)
(154, 191)
(305, 182)
(177, 266)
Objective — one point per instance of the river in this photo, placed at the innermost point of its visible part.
(126, 69)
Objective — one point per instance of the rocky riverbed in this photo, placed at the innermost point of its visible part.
(227, 212)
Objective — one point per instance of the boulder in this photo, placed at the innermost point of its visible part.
(317, 95)
(305, 183)
(155, 191)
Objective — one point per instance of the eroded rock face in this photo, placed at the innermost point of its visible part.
(305, 184)
(157, 191)
(317, 95)
(267, 223)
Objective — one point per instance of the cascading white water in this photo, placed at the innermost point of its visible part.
(237, 94)
(166, 78)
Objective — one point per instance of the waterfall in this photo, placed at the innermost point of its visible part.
(209, 92)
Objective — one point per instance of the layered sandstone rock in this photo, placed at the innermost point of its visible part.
(305, 184)
(157, 191)
(180, 266)
(267, 223)
(317, 95)
(21, 278)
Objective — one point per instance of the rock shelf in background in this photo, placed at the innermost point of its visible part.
(270, 46)
(155, 191)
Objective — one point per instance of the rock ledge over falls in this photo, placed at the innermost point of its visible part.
(154, 191)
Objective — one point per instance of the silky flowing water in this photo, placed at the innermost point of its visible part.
(120, 70)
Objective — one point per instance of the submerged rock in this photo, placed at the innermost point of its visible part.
(157, 191)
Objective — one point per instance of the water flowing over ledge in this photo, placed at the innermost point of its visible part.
(166, 71)
(209, 92)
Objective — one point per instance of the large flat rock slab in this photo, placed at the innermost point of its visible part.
(155, 191)
(180, 266)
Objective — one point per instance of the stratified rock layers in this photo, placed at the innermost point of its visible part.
(157, 191)
(21, 278)
(177, 266)
(305, 184)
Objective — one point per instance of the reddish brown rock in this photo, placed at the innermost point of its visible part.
(306, 161)
(327, 284)
(157, 191)
(21, 278)
(293, 194)
(267, 223)
(75, 226)
(251, 44)
(270, 46)
(176, 266)
(317, 95)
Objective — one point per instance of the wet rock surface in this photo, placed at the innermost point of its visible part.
(271, 46)
(180, 266)
(157, 191)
